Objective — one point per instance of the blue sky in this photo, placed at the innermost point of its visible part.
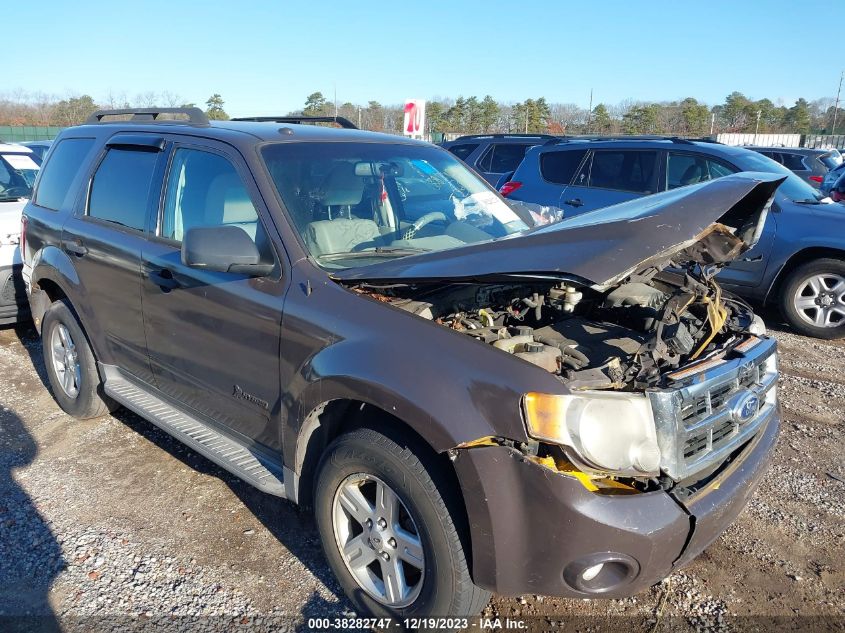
(266, 57)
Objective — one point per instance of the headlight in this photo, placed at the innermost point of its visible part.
(758, 326)
(608, 431)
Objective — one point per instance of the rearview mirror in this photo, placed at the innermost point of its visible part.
(225, 249)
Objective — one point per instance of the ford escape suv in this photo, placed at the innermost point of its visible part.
(358, 323)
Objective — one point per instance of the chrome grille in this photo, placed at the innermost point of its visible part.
(715, 406)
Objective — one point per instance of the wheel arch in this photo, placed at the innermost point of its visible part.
(334, 418)
(797, 259)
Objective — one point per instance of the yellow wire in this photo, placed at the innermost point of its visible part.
(716, 317)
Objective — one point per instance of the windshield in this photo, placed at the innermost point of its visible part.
(355, 204)
(17, 175)
(793, 187)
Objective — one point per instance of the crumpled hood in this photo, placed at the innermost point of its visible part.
(710, 223)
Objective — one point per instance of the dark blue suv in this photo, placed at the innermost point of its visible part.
(799, 261)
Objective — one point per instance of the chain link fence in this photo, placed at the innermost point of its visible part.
(19, 133)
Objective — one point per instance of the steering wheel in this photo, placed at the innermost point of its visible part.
(428, 218)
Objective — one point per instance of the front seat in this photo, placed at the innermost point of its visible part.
(343, 187)
(342, 235)
(692, 174)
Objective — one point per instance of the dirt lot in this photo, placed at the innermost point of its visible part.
(111, 524)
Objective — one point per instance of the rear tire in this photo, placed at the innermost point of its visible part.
(71, 366)
(365, 466)
(812, 298)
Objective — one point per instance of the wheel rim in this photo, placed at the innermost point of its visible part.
(378, 540)
(820, 300)
(65, 361)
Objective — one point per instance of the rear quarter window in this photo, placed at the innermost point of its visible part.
(559, 167)
(503, 157)
(58, 173)
(464, 150)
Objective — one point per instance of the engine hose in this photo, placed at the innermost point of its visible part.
(569, 353)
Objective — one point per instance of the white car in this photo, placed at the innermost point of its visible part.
(18, 170)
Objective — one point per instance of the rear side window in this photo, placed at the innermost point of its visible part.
(503, 157)
(462, 151)
(121, 187)
(793, 161)
(624, 170)
(559, 167)
(59, 171)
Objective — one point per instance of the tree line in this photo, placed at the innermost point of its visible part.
(46, 110)
(687, 117)
(478, 115)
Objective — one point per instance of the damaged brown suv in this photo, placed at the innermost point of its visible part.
(359, 323)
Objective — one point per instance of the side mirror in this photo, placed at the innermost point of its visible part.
(225, 249)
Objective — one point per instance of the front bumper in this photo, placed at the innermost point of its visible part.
(14, 306)
(529, 524)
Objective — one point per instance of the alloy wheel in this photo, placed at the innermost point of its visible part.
(378, 540)
(820, 300)
(65, 361)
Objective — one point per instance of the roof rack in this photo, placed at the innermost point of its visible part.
(298, 120)
(195, 116)
(515, 135)
(632, 137)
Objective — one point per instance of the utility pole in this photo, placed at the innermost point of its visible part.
(757, 126)
(836, 107)
(712, 123)
(590, 112)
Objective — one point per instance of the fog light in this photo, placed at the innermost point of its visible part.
(591, 572)
(601, 573)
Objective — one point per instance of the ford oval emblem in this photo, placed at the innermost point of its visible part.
(745, 407)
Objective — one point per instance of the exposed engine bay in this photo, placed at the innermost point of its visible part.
(624, 338)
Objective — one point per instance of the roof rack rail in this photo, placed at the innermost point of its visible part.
(195, 116)
(514, 135)
(631, 137)
(298, 120)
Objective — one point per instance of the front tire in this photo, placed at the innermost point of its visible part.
(71, 366)
(389, 535)
(813, 298)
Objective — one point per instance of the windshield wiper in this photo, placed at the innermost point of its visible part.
(808, 201)
(382, 250)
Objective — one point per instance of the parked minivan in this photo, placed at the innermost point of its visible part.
(357, 323)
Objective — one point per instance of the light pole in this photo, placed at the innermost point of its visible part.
(836, 107)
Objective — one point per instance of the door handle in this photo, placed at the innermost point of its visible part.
(76, 247)
(756, 258)
(163, 279)
(575, 202)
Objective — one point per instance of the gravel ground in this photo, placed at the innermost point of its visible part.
(110, 524)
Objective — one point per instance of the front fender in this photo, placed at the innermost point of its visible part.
(443, 409)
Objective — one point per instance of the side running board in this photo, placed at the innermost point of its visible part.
(204, 439)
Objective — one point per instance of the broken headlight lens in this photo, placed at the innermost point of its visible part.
(611, 432)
